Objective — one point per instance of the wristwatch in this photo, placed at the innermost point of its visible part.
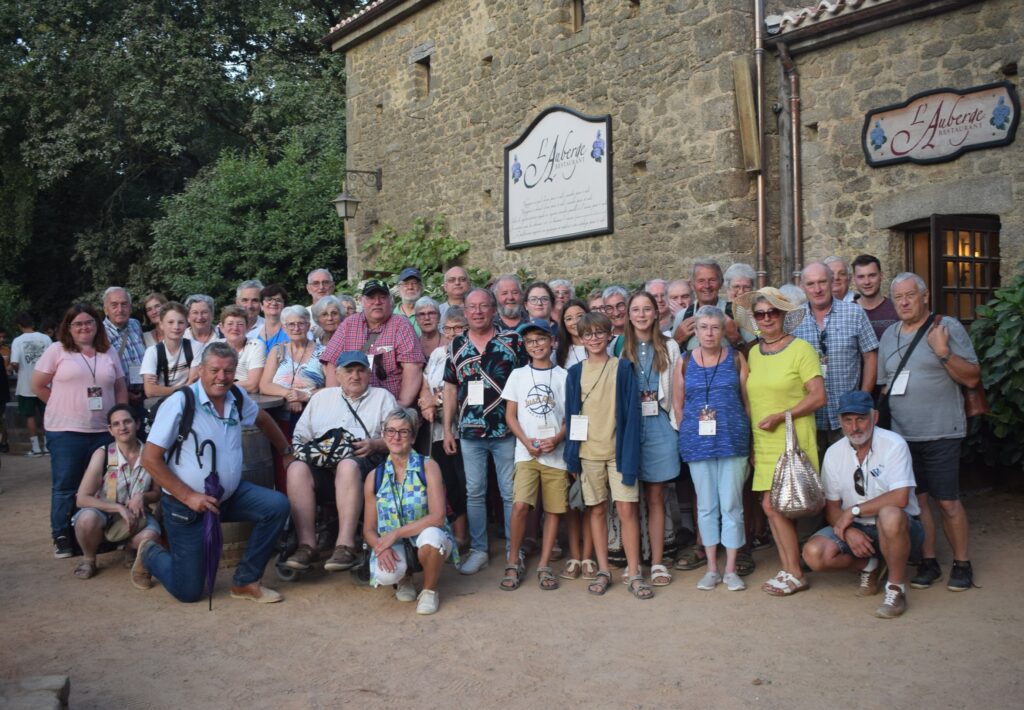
(945, 358)
(856, 511)
(288, 450)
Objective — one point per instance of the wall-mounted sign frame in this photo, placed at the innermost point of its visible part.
(558, 179)
(940, 125)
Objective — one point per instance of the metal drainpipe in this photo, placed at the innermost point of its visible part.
(762, 203)
(794, 136)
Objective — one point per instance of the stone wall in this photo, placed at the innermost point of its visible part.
(849, 206)
(661, 69)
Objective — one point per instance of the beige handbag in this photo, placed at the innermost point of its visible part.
(796, 487)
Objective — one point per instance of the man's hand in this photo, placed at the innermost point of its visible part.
(938, 338)
(844, 522)
(859, 542)
(685, 330)
(201, 503)
(363, 447)
(450, 446)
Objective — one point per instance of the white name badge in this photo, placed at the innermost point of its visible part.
(369, 358)
(899, 385)
(824, 371)
(476, 393)
(707, 427)
(578, 425)
(546, 432)
(95, 398)
(649, 409)
(134, 374)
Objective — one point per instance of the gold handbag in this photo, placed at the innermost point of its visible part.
(796, 487)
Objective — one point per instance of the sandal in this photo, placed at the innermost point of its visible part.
(694, 559)
(784, 584)
(745, 563)
(511, 582)
(548, 581)
(600, 584)
(660, 576)
(589, 568)
(640, 588)
(571, 570)
(85, 569)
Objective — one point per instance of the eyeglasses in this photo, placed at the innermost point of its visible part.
(296, 324)
(456, 280)
(621, 308)
(538, 300)
(765, 315)
(530, 342)
(594, 335)
(278, 301)
(453, 329)
(858, 482)
(319, 283)
(427, 314)
(83, 324)
(397, 433)
(478, 307)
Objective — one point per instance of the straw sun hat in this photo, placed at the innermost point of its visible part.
(743, 309)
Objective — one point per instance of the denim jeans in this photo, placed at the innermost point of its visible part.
(181, 569)
(70, 452)
(719, 485)
(474, 460)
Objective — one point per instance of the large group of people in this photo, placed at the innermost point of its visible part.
(599, 416)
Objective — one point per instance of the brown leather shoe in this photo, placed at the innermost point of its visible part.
(141, 578)
(304, 558)
(256, 592)
(344, 558)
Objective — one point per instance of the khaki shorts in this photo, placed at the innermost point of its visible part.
(553, 484)
(598, 476)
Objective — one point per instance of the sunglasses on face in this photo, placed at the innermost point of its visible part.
(765, 315)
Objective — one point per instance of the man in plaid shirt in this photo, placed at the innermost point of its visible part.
(846, 343)
(389, 343)
(125, 336)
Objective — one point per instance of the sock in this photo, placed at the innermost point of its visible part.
(901, 587)
(871, 566)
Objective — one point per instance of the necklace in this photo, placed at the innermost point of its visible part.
(772, 342)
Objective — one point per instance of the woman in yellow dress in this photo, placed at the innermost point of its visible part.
(785, 374)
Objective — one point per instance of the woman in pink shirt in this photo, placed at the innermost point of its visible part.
(79, 378)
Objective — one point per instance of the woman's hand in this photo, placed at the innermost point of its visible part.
(772, 421)
(136, 505)
(385, 542)
(387, 559)
(127, 515)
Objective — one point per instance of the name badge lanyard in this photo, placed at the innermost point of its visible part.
(823, 343)
(579, 423)
(649, 408)
(93, 394)
(550, 378)
(596, 383)
(708, 414)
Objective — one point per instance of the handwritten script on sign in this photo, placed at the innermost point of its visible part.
(558, 179)
(941, 125)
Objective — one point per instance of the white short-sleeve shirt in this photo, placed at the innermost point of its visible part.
(887, 467)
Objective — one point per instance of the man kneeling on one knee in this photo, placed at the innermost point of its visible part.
(872, 509)
(359, 409)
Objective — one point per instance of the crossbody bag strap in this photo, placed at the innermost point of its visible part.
(355, 414)
(921, 332)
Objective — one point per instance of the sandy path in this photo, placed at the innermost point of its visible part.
(332, 643)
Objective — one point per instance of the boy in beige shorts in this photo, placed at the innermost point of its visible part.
(535, 413)
(602, 403)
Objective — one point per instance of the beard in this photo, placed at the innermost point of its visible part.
(411, 300)
(508, 311)
(859, 439)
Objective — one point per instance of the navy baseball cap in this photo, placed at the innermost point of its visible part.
(856, 402)
(410, 272)
(536, 324)
(352, 357)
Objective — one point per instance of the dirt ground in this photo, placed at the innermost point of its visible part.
(332, 643)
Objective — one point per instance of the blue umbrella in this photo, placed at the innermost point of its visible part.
(213, 541)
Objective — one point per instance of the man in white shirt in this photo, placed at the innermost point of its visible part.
(26, 349)
(359, 409)
(872, 510)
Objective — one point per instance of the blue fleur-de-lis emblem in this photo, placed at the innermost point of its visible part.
(517, 169)
(598, 148)
(877, 136)
(1000, 115)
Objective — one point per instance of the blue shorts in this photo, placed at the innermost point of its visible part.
(914, 527)
(109, 518)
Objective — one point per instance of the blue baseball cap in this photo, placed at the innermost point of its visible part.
(352, 357)
(410, 272)
(536, 324)
(856, 402)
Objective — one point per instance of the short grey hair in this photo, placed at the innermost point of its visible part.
(318, 307)
(505, 277)
(199, 298)
(455, 313)
(403, 414)
(740, 270)
(707, 264)
(291, 311)
(491, 298)
(563, 283)
(219, 348)
(245, 285)
(426, 302)
(793, 294)
(837, 260)
(676, 282)
(822, 264)
(115, 289)
(615, 290)
(348, 299)
(713, 312)
(908, 276)
(314, 272)
(663, 282)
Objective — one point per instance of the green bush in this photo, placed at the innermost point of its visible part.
(997, 336)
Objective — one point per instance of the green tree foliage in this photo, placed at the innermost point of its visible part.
(107, 107)
(998, 335)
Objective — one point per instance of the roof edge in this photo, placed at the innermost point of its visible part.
(374, 18)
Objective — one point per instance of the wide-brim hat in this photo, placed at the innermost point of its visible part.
(743, 309)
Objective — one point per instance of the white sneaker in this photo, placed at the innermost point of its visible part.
(33, 453)
(428, 602)
(709, 581)
(734, 582)
(406, 591)
(474, 562)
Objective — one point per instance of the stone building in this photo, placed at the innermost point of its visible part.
(437, 88)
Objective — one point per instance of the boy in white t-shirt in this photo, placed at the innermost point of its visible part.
(535, 412)
(26, 349)
(166, 365)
